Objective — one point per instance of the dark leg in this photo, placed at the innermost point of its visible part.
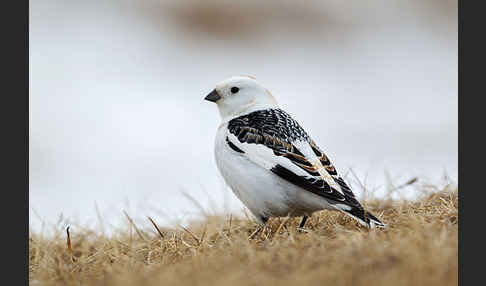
(264, 219)
(302, 223)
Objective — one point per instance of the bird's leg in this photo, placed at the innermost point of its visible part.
(264, 220)
(302, 223)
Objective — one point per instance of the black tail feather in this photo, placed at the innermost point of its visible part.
(364, 217)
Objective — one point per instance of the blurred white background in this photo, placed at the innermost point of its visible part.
(118, 121)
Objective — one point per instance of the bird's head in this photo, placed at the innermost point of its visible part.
(240, 95)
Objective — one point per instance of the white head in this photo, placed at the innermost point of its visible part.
(240, 95)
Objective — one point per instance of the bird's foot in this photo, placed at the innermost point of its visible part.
(301, 225)
(301, 229)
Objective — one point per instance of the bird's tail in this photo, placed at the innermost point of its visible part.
(364, 217)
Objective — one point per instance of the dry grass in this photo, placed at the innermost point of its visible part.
(419, 247)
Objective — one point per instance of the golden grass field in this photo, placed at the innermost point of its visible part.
(419, 247)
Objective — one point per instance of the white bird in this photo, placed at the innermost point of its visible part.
(270, 162)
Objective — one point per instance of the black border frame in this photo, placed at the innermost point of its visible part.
(15, 142)
(471, 65)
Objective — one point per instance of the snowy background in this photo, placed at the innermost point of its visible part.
(118, 121)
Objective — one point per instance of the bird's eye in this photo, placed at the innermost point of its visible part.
(234, 89)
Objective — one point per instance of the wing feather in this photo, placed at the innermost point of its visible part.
(287, 151)
(273, 140)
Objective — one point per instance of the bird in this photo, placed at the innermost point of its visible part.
(271, 163)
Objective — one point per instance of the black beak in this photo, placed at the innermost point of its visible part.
(213, 96)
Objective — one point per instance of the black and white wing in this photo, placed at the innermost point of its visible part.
(272, 139)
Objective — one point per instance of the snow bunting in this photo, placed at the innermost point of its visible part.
(270, 162)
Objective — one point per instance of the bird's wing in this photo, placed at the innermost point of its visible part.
(275, 141)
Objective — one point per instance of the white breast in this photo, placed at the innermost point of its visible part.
(262, 192)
